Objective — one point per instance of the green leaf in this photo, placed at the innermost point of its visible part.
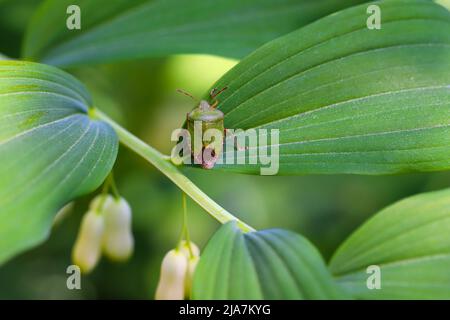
(50, 150)
(269, 264)
(120, 30)
(347, 99)
(410, 242)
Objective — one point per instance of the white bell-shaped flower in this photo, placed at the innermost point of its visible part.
(118, 242)
(171, 284)
(87, 249)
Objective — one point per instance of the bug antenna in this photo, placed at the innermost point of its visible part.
(187, 94)
(214, 93)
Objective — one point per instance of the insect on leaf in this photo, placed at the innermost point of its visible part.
(347, 99)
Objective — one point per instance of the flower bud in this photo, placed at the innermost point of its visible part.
(118, 239)
(173, 274)
(87, 248)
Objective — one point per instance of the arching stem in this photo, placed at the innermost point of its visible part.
(161, 162)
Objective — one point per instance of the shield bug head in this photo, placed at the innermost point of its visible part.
(207, 117)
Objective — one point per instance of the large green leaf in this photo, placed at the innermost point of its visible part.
(50, 150)
(269, 264)
(119, 30)
(410, 242)
(347, 99)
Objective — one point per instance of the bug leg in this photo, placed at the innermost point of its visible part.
(214, 105)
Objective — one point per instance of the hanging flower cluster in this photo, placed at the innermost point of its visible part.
(106, 227)
(177, 271)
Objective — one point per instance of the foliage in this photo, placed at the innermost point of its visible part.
(346, 99)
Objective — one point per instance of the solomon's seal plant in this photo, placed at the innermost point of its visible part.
(345, 99)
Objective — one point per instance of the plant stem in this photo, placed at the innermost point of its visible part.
(185, 226)
(104, 194)
(113, 187)
(161, 162)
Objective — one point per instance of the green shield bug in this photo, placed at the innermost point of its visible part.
(206, 118)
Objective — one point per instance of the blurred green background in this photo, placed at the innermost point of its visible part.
(141, 95)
